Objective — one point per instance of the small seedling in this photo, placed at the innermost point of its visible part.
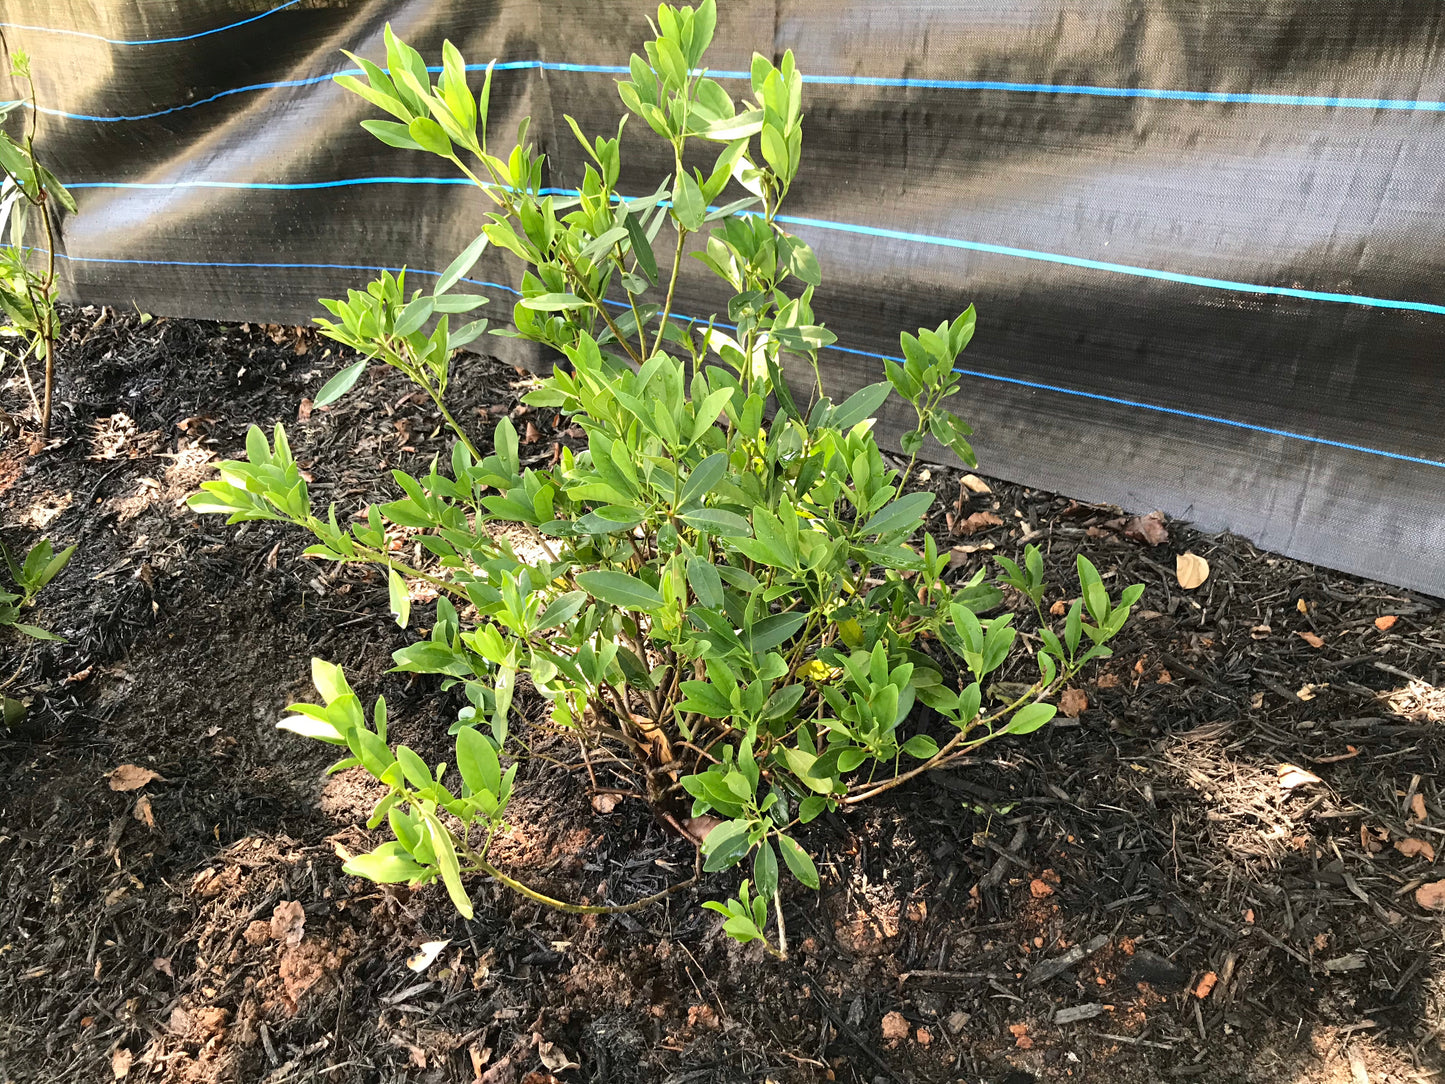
(41, 565)
(28, 279)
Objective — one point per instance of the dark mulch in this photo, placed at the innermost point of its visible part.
(1053, 911)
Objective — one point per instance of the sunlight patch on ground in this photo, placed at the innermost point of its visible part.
(1419, 701)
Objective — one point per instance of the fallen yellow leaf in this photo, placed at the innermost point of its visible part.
(1191, 570)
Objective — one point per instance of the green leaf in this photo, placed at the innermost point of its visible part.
(461, 265)
(906, 511)
(308, 727)
(726, 845)
(340, 384)
(417, 312)
(388, 864)
(641, 248)
(429, 136)
(35, 632)
(400, 597)
(688, 206)
(478, 763)
(414, 768)
(447, 859)
(765, 870)
(561, 610)
(1030, 718)
(554, 302)
(861, 405)
(772, 631)
(716, 521)
(798, 861)
(705, 582)
(329, 680)
(703, 478)
(921, 746)
(620, 589)
(392, 134)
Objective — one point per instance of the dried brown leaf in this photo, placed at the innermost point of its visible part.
(1311, 639)
(1149, 529)
(976, 522)
(975, 485)
(1417, 806)
(131, 777)
(120, 1062)
(555, 1058)
(1073, 703)
(143, 813)
(1190, 570)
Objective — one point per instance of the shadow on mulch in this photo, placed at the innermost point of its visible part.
(1198, 877)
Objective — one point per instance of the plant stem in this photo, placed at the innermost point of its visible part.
(47, 331)
(782, 925)
(671, 284)
(579, 908)
(596, 304)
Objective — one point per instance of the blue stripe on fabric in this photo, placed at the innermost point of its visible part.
(270, 186)
(866, 231)
(1173, 411)
(149, 41)
(977, 374)
(1115, 268)
(1156, 93)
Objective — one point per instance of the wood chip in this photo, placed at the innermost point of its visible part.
(1414, 848)
(975, 485)
(1074, 1013)
(1311, 639)
(1206, 985)
(1431, 896)
(1385, 623)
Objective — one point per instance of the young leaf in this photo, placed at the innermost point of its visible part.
(400, 597)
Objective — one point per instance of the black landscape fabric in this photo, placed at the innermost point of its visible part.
(1205, 240)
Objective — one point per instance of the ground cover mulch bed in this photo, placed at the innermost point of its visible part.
(1212, 872)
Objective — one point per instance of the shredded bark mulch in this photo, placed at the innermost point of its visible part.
(1219, 868)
